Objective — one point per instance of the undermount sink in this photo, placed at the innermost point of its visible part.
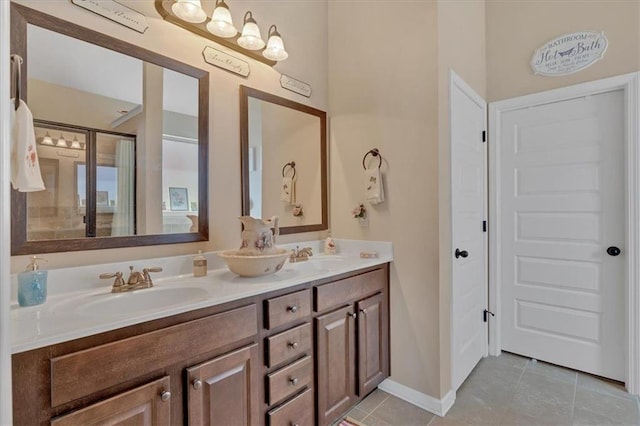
(118, 304)
(320, 263)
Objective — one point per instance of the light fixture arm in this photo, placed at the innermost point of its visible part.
(273, 30)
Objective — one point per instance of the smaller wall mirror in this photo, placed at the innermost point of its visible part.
(284, 161)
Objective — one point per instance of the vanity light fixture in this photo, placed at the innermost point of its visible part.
(220, 29)
(46, 140)
(75, 144)
(61, 142)
(250, 38)
(189, 10)
(221, 23)
(275, 46)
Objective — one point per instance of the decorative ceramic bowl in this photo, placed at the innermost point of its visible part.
(254, 266)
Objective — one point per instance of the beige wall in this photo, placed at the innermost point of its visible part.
(515, 29)
(383, 94)
(463, 51)
(303, 25)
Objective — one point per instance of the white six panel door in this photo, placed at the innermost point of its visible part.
(562, 206)
(468, 206)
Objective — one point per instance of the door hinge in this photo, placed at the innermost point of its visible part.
(484, 226)
(485, 315)
(484, 136)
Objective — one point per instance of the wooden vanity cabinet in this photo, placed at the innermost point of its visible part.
(352, 342)
(302, 355)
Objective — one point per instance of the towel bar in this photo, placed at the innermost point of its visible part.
(376, 153)
(16, 62)
(291, 164)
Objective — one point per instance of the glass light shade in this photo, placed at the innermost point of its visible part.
(275, 49)
(250, 38)
(46, 140)
(75, 144)
(189, 10)
(61, 142)
(221, 23)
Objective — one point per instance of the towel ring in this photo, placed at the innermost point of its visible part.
(291, 164)
(16, 61)
(376, 153)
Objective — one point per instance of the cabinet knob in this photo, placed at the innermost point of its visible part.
(293, 309)
(364, 311)
(353, 315)
(293, 381)
(293, 424)
(292, 345)
(165, 396)
(197, 384)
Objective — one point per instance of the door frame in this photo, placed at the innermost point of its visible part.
(455, 81)
(628, 83)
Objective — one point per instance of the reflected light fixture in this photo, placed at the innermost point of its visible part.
(75, 144)
(46, 140)
(61, 142)
(250, 38)
(189, 10)
(275, 46)
(221, 23)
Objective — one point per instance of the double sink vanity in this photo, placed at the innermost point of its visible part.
(301, 346)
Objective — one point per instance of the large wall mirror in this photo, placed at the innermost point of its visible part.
(121, 134)
(284, 161)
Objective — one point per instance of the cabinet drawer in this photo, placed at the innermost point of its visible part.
(289, 380)
(288, 308)
(151, 402)
(288, 344)
(110, 364)
(298, 411)
(341, 292)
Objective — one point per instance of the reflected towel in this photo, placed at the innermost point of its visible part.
(25, 168)
(288, 190)
(374, 192)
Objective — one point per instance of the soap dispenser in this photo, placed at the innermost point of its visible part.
(32, 284)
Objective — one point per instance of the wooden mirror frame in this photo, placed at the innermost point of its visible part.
(20, 17)
(245, 94)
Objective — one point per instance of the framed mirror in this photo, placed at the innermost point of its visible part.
(122, 138)
(284, 161)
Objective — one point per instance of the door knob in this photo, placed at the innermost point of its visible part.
(461, 253)
(613, 251)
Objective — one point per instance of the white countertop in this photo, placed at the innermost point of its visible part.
(74, 306)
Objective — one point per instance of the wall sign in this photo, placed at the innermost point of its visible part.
(225, 61)
(294, 85)
(116, 12)
(569, 53)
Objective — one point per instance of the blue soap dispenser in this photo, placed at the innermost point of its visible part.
(32, 284)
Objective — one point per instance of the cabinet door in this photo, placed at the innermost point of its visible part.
(225, 391)
(335, 335)
(147, 405)
(373, 337)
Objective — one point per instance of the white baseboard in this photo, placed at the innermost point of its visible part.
(419, 399)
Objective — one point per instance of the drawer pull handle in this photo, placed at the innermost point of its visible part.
(165, 396)
(293, 381)
(197, 384)
(293, 309)
(352, 315)
(292, 345)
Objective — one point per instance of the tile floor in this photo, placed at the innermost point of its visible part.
(512, 390)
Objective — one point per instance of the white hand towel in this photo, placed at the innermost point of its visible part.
(25, 168)
(288, 190)
(374, 192)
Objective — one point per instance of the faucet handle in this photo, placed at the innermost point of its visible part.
(147, 277)
(117, 275)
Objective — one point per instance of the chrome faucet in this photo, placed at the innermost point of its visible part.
(300, 255)
(136, 280)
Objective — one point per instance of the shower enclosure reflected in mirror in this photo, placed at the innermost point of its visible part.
(116, 127)
(284, 161)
